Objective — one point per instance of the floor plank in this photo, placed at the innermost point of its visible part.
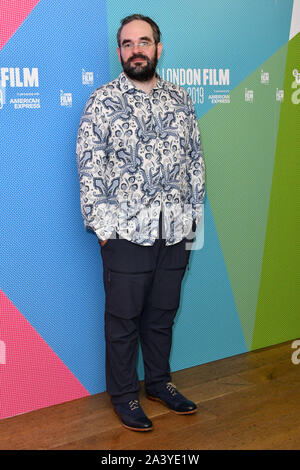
(249, 401)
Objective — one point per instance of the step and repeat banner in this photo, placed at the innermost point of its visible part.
(240, 62)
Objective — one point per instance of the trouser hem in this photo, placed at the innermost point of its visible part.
(124, 398)
(157, 387)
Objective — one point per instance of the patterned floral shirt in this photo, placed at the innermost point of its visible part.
(140, 154)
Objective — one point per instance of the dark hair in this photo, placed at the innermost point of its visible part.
(128, 19)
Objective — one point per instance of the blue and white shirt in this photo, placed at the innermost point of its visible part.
(140, 154)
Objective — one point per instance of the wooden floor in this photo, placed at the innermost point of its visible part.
(249, 401)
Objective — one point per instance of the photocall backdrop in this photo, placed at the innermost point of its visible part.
(239, 60)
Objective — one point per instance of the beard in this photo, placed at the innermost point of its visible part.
(140, 72)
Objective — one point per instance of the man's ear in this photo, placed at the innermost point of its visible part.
(159, 49)
(119, 53)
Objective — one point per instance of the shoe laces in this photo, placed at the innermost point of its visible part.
(172, 389)
(133, 405)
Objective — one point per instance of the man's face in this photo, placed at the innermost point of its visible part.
(139, 63)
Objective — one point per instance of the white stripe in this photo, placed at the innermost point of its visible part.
(295, 23)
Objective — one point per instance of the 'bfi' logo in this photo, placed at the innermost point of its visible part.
(279, 95)
(65, 99)
(249, 95)
(265, 78)
(87, 78)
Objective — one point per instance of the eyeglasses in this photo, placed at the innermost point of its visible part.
(141, 45)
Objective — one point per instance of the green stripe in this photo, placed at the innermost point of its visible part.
(278, 309)
(239, 142)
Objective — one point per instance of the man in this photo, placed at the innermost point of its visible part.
(142, 189)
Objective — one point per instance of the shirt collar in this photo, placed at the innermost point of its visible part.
(127, 85)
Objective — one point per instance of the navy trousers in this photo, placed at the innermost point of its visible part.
(142, 288)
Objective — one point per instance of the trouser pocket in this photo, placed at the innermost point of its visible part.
(126, 293)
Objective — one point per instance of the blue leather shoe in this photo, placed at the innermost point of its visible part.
(170, 396)
(132, 416)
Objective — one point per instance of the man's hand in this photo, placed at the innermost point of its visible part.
(102, 242)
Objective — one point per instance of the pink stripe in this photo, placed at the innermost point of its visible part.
(31, 375)
(12, 15)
